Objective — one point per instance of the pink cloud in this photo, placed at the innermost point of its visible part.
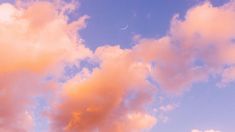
(205, 34)
(44, 38)
(98, 101)
(34, 40)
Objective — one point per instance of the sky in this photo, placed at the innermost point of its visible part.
(120, 66)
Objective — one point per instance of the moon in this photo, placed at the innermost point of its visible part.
(125, 28)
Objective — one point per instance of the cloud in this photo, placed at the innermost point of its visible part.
(110, 99)
(43, 38)
(35, 40)
(209, 130)
(228, 76)
(197, 46)
(16, 94)
(167, 108)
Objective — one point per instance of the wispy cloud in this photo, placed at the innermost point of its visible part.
(209, 130)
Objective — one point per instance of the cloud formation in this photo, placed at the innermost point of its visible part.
(33, 41)
(110, 99)
(197, 46)
(40, 40)
(36, 40)
(193, 50)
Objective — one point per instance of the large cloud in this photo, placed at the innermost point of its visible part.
(200, 44)
(33, 41)
(110, 99)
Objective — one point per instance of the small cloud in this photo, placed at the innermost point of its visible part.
(136, 37)
(209, 130)
(167, 108)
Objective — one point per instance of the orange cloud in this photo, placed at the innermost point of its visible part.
(34, 40)
(98, 101)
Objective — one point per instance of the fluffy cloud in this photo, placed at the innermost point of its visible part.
(37, 41)
(103, 101)
(197, 46)
(33, 41)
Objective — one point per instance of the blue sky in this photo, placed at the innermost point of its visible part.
(150, 19)
(145, 18)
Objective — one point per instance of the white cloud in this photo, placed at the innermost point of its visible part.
(167, 108)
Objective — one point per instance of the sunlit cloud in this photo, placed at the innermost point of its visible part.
(35, 40)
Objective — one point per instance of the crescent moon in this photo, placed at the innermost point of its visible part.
(125, 28)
